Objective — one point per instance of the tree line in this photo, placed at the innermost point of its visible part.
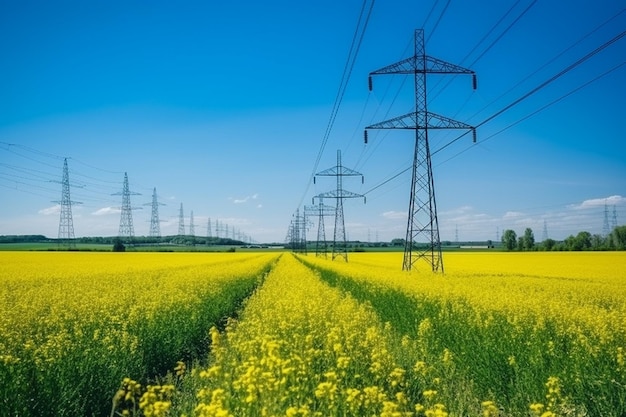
(616, 240)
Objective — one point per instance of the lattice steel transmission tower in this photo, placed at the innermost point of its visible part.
(544, 234)
(192, 227)
(66, 222)
(422, 223)
(155, 222)
(614, 219)
(320, 210)
(181, 221)
(296, 235)
(605, 226)
(126, 219)
(340, 246)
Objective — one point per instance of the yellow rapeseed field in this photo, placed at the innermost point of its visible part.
(514, 321)
(500, 334)
(73, 324)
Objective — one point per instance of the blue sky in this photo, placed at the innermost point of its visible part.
(222, 106)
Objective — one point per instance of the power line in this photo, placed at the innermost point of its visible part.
(504, 32)
(552, 60)
(432, 31)
(528, 116)
(345, 78)
(534, 90)
(540, 86)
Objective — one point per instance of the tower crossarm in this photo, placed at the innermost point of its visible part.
(341, 193)
(334, 171)
(411, 121)
(317, 210)
(422, 65)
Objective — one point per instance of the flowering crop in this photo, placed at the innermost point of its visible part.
(510, 322)
(302, 348)
(532, 334)
(73, 324)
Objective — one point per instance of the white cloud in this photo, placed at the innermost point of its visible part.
(106, 211)
(394, 215)
(512, 214)
(614, 200)
(259, 206)
(245, 199)
(56, 209)
(457, 211)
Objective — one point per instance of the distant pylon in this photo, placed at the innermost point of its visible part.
(614, 219)
(297, 235)
(422, 235)
(544, 235)
(181, 221)
(66, 222)
(209, 232)
(126, 220)
(192, 227)
(605, 226)
(155, 222)
(456, 234)
(340, 246)
(320, 210)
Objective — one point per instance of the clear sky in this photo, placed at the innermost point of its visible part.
(223, 107)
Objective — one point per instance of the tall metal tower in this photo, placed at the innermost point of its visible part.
(181, 221)
(340, 246)
(614, 219)
(66, 222)
(192, 227)
(544, 234)
(422, 232)
(155, 222)
(209, 232)
(320, 210)
(126, 219)
(605, 226)
(297, 232)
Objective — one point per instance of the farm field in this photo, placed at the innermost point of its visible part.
(72, 325)
(500, 334)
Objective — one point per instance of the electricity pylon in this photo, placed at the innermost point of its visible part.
(209, 233)
(181, 221)
(126, 219)
(422, 223)
(297, 233)
(320, 210)
(340, 246)
(605, 227)
(66, 222)
(192, 227)
(155, 222)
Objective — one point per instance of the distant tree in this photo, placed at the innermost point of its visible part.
(397, 242)
(548, 244)
(582, 241)
(618, 238)
(118, 246)
(509, 239)
(528, 239)
(598, 242)
(520, 243)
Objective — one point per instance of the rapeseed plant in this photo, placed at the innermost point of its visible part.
(497, 325)
(72, 325)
